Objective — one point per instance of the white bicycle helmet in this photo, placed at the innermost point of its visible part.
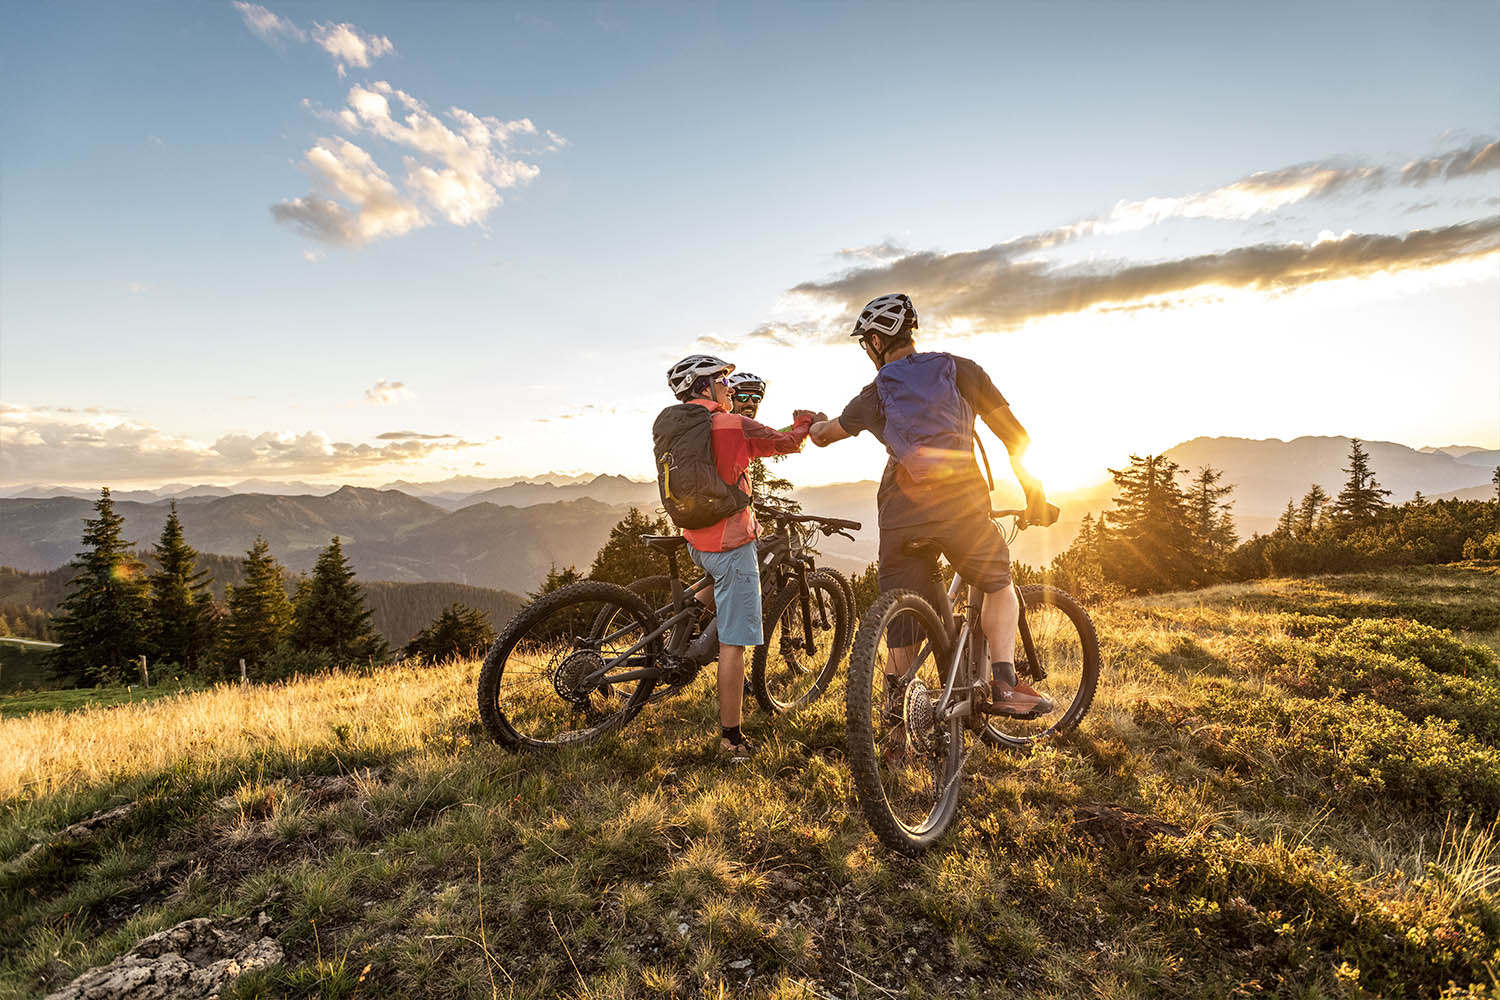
(887, 315)
(682, 375)
(745, 382)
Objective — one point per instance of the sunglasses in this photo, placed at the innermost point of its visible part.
(747, 397)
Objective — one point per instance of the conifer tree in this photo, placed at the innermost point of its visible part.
(1287, 524)
(767, 487)
(1361, 500)
(459, 631)
(331, 615)
(1211, 517)
(102, 622)
(1496, 480)
(1152, 543)
(182, 615)
(624, 557)
(1310, 509)
(260, 613)
(556, 579)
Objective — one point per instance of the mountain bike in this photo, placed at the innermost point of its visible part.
(583, 660)
(919, 681)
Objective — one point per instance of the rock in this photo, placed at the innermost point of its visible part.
(82, 829)
(193, 961)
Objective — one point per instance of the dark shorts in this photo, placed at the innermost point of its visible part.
(973, 545)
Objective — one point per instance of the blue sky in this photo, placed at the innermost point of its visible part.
(685, 169)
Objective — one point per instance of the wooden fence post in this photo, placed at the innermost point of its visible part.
(243, 678)
(145, 674)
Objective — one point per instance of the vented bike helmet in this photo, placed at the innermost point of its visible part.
(682, 375)
(891, 316)
(745, 382)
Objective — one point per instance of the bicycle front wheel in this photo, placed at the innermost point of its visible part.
(1065, 668)
(788, 670)
(554, 677)
(907, 764)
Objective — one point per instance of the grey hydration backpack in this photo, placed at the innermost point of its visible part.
(691, 490)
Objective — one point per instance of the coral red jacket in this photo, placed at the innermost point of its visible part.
(736, 440)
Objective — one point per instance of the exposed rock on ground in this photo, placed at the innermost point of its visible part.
(193, 961)
(82, 829)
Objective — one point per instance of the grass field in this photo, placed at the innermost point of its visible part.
(1289, 788)
(74, 699)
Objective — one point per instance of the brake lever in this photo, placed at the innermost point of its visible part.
(846, 534)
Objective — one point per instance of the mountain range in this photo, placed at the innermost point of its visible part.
(507, 533)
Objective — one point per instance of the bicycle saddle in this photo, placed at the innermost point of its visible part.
(664, 543)
(927, 548)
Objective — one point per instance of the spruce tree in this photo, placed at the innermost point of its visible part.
(1152, 542)
(1361, 500)
(331, 615)
(556, 579)
(260, 614)
(1310, 509)
(102, 622)
(182, 614)
(1211, 517)
(624, 557)
(1496, 480)
(1287, 524)
(459, 631)
(767, 487)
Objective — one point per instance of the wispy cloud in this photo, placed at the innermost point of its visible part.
(413, 436)
(57, 445)
(1477, 157)
(994, 289)
(385, 392)
(349, 46)
(339, 167)
(268, 27)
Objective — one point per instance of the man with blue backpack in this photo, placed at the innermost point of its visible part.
(922, 406)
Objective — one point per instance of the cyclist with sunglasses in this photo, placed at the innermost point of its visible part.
(690, 445)
(922, 406)
(746, 392)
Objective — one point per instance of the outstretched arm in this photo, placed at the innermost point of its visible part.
(825, 432)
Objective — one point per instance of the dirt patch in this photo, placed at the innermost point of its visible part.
(193, 961)
(1120, 828)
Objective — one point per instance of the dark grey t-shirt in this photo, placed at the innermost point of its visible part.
(901, 501)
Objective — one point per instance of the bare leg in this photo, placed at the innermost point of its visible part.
(1000, 617)
(731, 684)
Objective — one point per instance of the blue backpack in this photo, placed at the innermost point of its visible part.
(929, 427)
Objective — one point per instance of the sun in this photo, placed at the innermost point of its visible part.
(1060, 469)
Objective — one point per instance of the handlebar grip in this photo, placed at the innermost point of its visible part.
(1006, 513)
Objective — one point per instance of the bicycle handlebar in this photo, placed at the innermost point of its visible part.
(1053, 512)
(828, 524)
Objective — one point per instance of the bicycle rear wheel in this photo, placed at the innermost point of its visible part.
(546, 682)
(907, 764)
(786, 672)
(1066, 668)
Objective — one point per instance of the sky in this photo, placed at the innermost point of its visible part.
(360, 242)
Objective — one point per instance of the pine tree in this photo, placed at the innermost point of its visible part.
(1310, 509)
(1153, 542)
(331, 613)
(1361, 500)
(102, 623)
(1287, 525)
(260, 614)
(1496, 480)
(769, 488)
(556, 580)
(182, 617)
(624, 557)
(459, 631)
(1211, 517)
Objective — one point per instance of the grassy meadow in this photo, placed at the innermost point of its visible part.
(1287, 788)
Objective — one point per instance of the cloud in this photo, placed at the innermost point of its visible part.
(413, 436)
(878, 251)
(385, 392)
(339, 167)
(54, 445)
(349, 46)
(1477, 157)
(996, 288)
(136, 288)
(268, 27)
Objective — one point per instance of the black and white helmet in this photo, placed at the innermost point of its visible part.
(745, 382)
(682, 375)
(887, 315)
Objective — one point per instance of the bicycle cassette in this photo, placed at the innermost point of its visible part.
(921, 721)
(573, 672)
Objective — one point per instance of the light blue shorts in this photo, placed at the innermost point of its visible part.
(736, 577)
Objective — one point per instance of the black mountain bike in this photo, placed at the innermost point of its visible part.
(583, 660)
(918, 686)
